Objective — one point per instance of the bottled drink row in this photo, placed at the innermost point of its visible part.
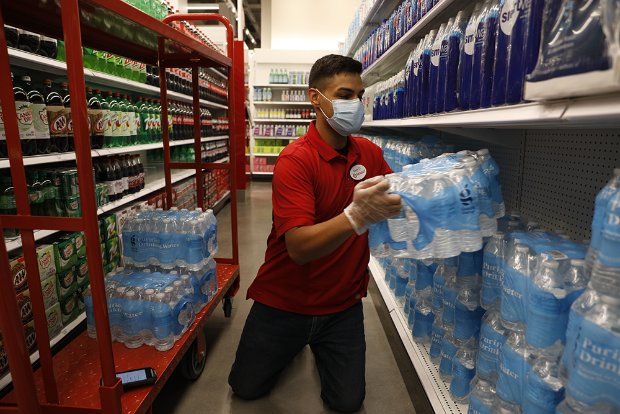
(450, 203)
(399, 152)
(122, 175)
(288, 95)
(210, 152)
(402, 19)
(280, 130)
(359, 19)
(115, 119)
(285, 76)
(281, 113)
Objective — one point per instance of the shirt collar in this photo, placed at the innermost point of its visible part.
(326, 151)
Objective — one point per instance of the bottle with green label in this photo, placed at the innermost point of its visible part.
(66, 100)
(90, 58)
(95, 119)
(39, 116)
(61, 54)
(115, 121)
(131, 111)
(123, 115)
(107, 120)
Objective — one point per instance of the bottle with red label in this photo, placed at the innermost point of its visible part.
(56, 118)
(66, 100)
(39, 116)
(95, 120)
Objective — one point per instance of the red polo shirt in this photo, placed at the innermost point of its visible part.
(312, 184)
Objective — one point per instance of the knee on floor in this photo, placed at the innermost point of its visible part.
(246, 391)
(345, 405)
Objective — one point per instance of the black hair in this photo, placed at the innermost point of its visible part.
(332, 65)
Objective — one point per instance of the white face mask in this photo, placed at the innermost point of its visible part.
(348, 115)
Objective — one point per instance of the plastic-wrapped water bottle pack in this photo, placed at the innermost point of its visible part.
(153, 308)
(171, 239)
(398, 151)
(450, 203)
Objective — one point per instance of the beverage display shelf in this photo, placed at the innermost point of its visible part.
(280, 85)
(283, 120)
(217, 73)
(68, 156)
(49, 66)
(265, 155)
(275, 137)
(600, 111)
(78, 366)
(7, 379)
(219, 204)
(393, 60)
(116, 27)
(282, 103)
(378, 12)
(16, 243)
(436, 389)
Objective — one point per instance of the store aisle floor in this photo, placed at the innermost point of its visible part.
(298, 390)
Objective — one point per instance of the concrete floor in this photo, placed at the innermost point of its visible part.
(298, 390)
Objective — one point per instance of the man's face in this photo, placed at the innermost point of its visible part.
(341, 86)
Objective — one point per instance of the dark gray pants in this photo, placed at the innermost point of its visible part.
(271, 338)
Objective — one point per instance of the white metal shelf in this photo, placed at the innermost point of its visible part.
(16, 243)
(283, 120)
(600, 111)
(436, 389)
(55, 67)
(380, 10)
(280, 85)
(393, 60)
(69, 156)
(264, 173)
(282, 103)
(7, 379)
(266, 155)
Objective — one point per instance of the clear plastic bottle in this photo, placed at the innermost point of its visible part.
(116, 296)
(468, 211)
(133, 315)
(463, 371)
(482, 397)
(437, 333)
(492, 338)
(163, 339)
(482, 196)
(467, 312)
(513, 363)
(543, 387)
(148, 299)
(449, 347)
(446, 269)
(166, 254)
(514, 287)
(492, 271)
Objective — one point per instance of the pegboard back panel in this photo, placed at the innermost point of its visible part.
(509, 159)
(563, 170)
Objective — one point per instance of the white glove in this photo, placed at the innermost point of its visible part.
(371, 204)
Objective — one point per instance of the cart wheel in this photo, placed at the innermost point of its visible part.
(227, 307)
(193, 362)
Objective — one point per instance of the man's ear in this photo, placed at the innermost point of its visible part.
(314, 96)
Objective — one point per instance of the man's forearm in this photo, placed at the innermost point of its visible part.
(308, 243)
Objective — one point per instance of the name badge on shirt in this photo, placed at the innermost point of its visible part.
(358, 172)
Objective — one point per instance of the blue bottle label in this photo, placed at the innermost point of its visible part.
(540, 397)
(491, 342)
(492, 278)
(437, 335)
(476, 406)
(595, 377)
(547, 317)
(513, 295)
(610, 242)
(461, 378)
(512, 368)
(422, 324)
(449, 302)
(466, 321)
(448, 350)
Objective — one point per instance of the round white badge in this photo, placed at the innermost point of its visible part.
(358, 172)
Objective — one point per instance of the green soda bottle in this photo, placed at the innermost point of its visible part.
(115, 121)
(124, 116)
(120, 67)
(107, 122)
(142, 73)
(133, 127)
(158, 126)
(90, 58)
(61, 55)
(143, 116)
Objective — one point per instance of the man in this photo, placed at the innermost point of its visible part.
(309, 290)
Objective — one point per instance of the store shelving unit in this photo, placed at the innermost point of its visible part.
(69, 381)
(281, 103)
(373, 19)
(554, 156)
(281, 120)
(280, 85)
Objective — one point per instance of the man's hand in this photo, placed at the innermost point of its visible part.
(371, 204)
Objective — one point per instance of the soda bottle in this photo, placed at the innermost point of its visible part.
(48, 47)
(115, 120)
(157, 112)
(482, 397)
(12, 36)
(95, 119)
(125, 121)
(106, 120)
(28, 41)
(142, 121)
(61, 55)
(56, 117)
(7, 202)
(463, 371)
(27, 133)
(128, 72)
(66, 100)
(39, 116)
(90, 58)
(132, 133)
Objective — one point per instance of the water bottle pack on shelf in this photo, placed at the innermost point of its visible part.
(399, 152)
(449, 204)
(152, 308)
(170, 239)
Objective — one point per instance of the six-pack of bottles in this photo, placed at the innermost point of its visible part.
(169, 276)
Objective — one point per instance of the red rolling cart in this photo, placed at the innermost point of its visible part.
(80, 378)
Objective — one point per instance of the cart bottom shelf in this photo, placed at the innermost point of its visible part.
(78, 370)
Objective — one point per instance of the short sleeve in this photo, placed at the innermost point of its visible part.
(293, 195)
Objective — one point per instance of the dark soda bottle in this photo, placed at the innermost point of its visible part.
(7, 202)
(39, 116)
(48, 47)
(27, 133)
(28, 41)
(66, 100)
(56, 117)
(12, 36)
(95, 119)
